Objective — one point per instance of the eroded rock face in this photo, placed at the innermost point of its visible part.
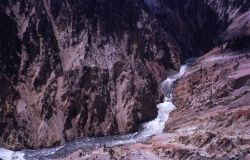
(71, 69)
(213, 98)
(211, 120)
(212, 116)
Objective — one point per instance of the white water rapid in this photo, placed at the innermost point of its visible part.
(149, 129)
(156, 126)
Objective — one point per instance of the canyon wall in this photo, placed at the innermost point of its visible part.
(212, 116)
(212, 98)
(73, 69)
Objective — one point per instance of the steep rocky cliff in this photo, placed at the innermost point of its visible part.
(212, 99)
(71, 68)
(211, 120)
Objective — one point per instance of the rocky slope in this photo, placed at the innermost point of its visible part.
(212, 116)
(213, 105)
(71, 69)
(211, 120)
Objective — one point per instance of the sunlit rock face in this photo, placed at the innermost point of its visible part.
(212, 98)
(72, 69)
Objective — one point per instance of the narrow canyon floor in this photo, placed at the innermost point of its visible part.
(81, 79)
(205, 115)
(212, 119)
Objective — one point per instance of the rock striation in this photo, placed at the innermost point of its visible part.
(211, 120)
(212, 101)
(73, 69)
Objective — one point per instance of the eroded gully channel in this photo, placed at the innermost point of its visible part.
(149, 129)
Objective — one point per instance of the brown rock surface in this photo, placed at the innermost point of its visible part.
(212, 116)
(74, 69)
(212, 101)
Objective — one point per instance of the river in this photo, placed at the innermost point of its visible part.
(149, 129)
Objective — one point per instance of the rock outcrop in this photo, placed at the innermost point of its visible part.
(212, 101)
(77, 69)
(212, 98)
(73, 69)
(211, 120)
